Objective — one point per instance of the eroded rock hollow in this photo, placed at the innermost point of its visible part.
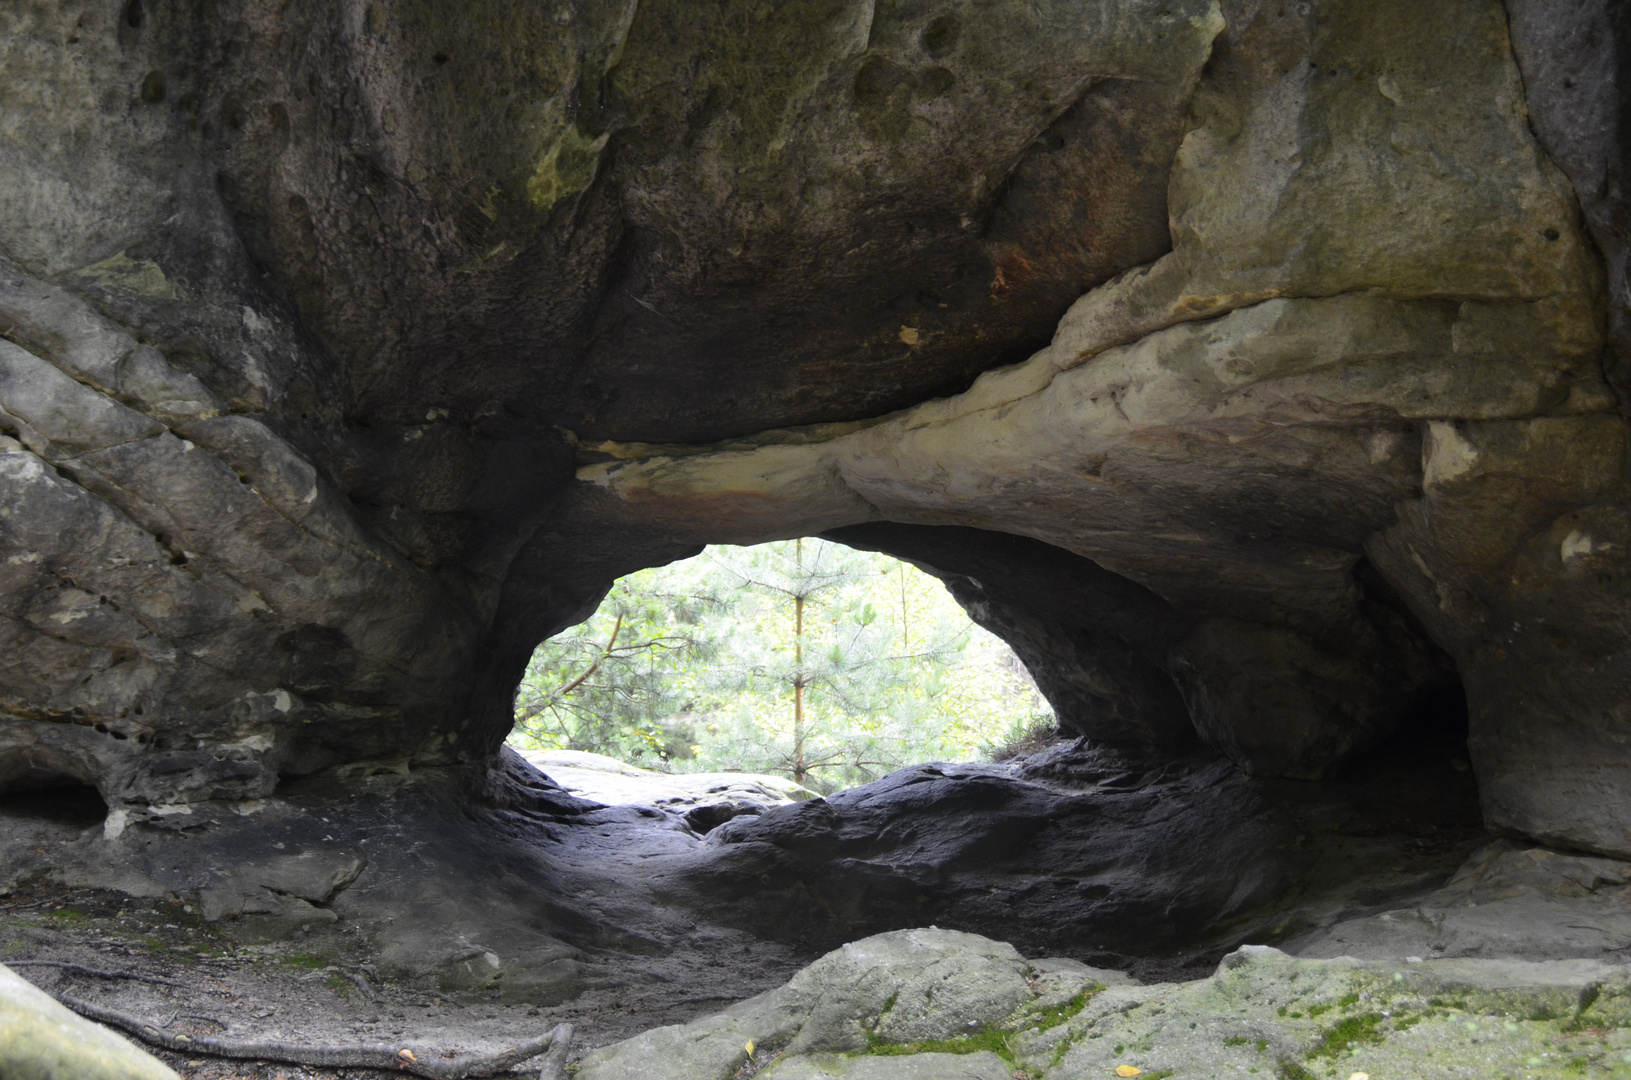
(1256, 369)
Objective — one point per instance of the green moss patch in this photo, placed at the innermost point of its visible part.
(1058, 1014)
(989, 1039)
(1342, 1037)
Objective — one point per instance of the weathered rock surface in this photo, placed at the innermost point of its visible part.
(1506, 901)
(907, 986)
(519, 889)
(1262, 1012)
(1257, 370)
(1413, 382)
(41, 1040)
(306, 308)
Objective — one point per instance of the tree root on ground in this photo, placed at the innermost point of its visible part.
(557, 1042)
(98, 973)
(357, 979)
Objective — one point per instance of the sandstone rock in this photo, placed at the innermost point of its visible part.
(907, 986)
(514, 887)
(1575, 56)
(1357, 378)
(350, 351)
(1266, 1010)
(980, 846)
(1262, 1010)
(343, 550)
(41, 1040)
(1506, 901)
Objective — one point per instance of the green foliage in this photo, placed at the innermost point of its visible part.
(803, 657)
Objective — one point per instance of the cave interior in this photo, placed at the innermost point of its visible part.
(1263, 387)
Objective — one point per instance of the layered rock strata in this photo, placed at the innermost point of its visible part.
(1412, 384)
(351, 349)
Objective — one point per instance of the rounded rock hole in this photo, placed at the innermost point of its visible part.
(775, 672)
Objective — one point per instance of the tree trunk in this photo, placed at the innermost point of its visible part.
(799, 770)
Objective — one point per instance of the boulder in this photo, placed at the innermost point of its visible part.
(41, 1040)
(909, 986)
(1263, 1011)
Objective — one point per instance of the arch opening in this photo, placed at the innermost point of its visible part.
(811, 660)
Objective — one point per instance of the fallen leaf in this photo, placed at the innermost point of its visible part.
(406, 1055)
(749, 1048)
(1128, 1070)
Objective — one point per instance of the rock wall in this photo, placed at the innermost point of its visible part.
(1255, 371)
(1413, 381)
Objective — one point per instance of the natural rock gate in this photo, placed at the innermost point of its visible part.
(1254, 368)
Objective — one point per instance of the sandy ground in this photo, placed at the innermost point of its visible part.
(282, 991)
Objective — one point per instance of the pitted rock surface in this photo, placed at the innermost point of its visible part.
(1262, 1012)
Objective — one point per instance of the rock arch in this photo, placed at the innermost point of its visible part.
(1233, 357)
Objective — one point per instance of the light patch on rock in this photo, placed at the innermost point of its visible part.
(250, 602)
(1446, 454)
(255, 322)
(610, 782)
(142, 276)
(1578, 544)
